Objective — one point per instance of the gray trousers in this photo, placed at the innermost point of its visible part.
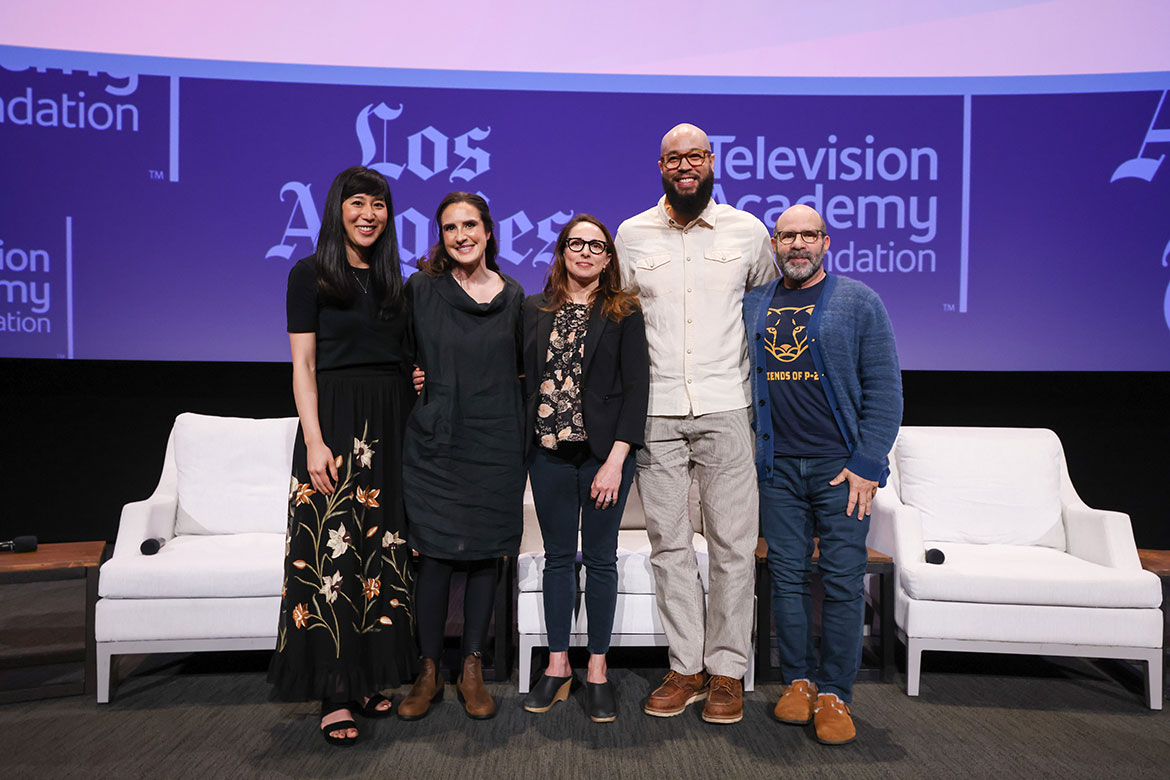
(719, 449)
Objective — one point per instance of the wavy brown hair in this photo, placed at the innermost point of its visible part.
(616, 302)
(437, 261)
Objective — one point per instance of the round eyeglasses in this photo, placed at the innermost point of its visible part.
(596, 247)
(809, 236)
(695, 157)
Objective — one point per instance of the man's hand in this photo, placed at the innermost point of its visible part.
(418, 376)
(861, 492)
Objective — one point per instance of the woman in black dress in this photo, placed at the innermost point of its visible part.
(587, 377)
(464, 472)
(346, 619)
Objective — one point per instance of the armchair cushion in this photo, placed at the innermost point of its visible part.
(983, 485)
(1011, 574)
(233, 474)
(224, 566)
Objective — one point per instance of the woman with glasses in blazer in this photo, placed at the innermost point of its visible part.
(587, 381)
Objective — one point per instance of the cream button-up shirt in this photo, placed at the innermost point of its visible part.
(691, 280)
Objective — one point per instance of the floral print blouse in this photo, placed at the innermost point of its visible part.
(558, 411)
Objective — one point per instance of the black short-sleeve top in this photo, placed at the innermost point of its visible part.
(346, 335)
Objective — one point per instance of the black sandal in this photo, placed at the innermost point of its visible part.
(328, 708)
(370, 708)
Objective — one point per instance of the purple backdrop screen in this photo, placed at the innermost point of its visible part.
(155, 217)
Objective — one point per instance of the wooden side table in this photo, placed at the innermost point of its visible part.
(70, 561)
(879, 563)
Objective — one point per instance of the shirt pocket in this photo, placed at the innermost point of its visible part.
(653, 275)
(722, 269)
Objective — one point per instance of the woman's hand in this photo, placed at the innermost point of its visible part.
(606, 484)
(322, 468)
(417, 378)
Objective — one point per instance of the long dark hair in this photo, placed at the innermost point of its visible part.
(616, 303)
(334, 276)
(438, 261)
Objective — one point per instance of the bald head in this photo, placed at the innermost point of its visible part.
(683, 138)
(800, 217)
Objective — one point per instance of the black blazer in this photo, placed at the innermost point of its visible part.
(615, 376)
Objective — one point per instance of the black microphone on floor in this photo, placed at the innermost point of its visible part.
(20, 544)
(935, 555)
(151, 546)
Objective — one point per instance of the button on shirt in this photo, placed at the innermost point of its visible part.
(691, 280)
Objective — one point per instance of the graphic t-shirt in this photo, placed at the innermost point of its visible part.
(802, 422)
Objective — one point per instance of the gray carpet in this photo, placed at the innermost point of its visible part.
(209, 715)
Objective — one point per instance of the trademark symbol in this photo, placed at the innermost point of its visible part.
(156, 175)
(948, 307)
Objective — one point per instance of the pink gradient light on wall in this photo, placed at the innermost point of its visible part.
(851, 38)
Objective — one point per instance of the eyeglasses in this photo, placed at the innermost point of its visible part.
(809, 236)
(695, 157)
(596, 247)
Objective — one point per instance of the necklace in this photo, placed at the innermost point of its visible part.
(356, 278)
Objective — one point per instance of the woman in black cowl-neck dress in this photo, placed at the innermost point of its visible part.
(464, 449)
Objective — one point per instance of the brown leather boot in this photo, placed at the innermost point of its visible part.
(427, 688)
(724, 700)
(475, 697)
(675, 693)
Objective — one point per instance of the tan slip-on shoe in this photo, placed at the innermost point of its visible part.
(796, 704)
(832, 722)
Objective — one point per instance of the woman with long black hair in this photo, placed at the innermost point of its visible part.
(346, 618)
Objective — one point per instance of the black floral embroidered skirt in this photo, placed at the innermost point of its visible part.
(346, 616)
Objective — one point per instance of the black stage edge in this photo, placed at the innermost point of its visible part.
(81, 438)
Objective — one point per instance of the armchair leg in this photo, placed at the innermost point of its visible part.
(105, 660)
(1154, 691)
(913, 666)
(528, 643)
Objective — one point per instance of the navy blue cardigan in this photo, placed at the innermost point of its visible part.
(852, 345)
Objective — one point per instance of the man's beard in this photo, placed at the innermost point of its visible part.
(796, 274)
(688, 204)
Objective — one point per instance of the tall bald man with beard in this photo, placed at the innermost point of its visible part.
(828, 403)
(691, 260)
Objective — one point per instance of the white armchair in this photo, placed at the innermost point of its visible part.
(1028, 568)
(222, 506)
(636, 620)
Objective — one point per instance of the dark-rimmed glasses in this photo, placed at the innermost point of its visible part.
(596, 246)
(695, 157)
(809, 236)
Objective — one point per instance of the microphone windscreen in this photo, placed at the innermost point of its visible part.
(24, 544)
(151, 546)
(935, 555)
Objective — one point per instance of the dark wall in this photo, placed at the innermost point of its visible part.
(82, 438)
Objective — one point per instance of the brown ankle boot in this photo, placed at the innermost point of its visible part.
(476, 700)
(427, 688)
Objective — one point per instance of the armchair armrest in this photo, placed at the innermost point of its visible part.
(153, 518)
(895, 528)
(1100, 536)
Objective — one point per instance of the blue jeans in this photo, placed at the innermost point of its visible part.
(560, 490)
(797, 504)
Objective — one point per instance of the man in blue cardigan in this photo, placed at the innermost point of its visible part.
(827, 394)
